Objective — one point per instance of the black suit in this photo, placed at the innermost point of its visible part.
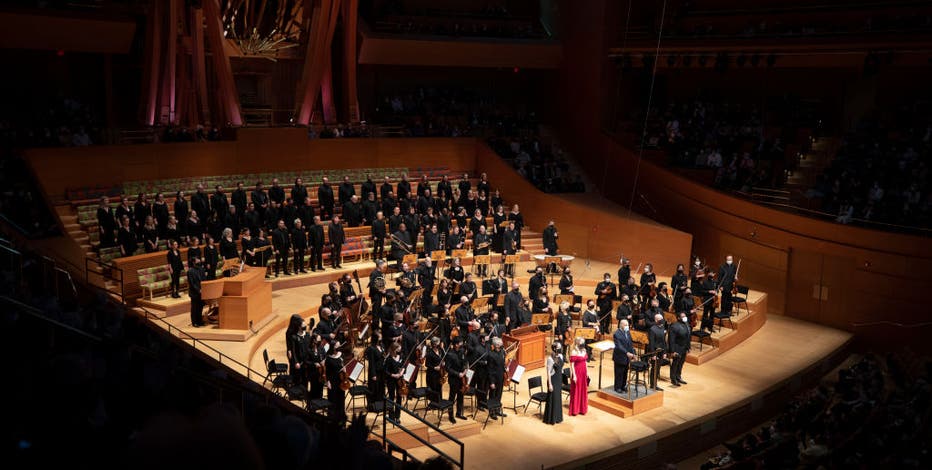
(726, 276)
(337, 237)
(281, 242)
(325, 200)
(195, 276)
(379, 232)
(299, 242)
(456, 364)
(656, 342)
(623, 346)
(513, 303)
(679, 344)
(315, 235)
(550, 240)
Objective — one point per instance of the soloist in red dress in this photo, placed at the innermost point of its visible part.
(579, 390)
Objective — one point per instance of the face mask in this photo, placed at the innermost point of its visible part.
(626, 328)
(728, 262)
(684, 319)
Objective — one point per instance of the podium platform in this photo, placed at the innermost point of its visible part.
(619, 404)
(245, 305)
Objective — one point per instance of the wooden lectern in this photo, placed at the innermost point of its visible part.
(532, 345)
(246, 298)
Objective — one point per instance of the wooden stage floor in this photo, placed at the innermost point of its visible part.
(774, 353)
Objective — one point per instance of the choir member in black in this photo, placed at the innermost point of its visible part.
(433, 363)
(625, 311)
(476, 221)
(299, 192)
(375, 367)
(483, 187)
(480, 246)
(141, 210)
(194, 250)
(395, 220)
(126, 237)
(550, 239)
(211, 257)
(150, 235)
(200, 203)
(394, 372)
(564, 324)
(389, 204)
(367, 188)
(289, 213)
(299, 244)
(276, 192)
(297, 348)
(657, 342)
(335, 394)
(553, 407)
(231, 219)
(622, 355)
(514, 300)
(590, 319)
(336, 236)
(315, 238)
(443, 223)
(325, 198)
(228, 247)
(431, 240)
(536, 282)
(679, 345)
(239, 199)
(516, 217)
(413, 224)
(425, 203)
(194, 226)
(195, 276)
(465, 317)
(464, 185)
(455, 274)
(125, 210)
(497, 230)
(495, 369)
(461, 221)
(679, 283)
(369, 208)
(401, 244)
(315, 363)
(455, 363)
(404, 187)
(386, 189)
(566, 282)
(172, 231)
(379, 232)
(648, 281)
(352, 212)
(606, 292)
(218, 202)
(252, 219)
(727, 277)
(482, 203)
(261, 249)
(468, 288)
(272, 216)
(305, 211)
(706, 290)
(106, 222)
(161, 213)
(455, 240)
(444, 189)
(249, 248)
(510, 243)
(281, 243)
(175, 268)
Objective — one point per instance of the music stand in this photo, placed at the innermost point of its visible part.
(540, 319)
(229, 265)
(479, 302)
(510, 260)
(481, 260)
(602, 347)
(584, 332)
(459, 253)
(438, 257)
(514, 371)
(552, 262)
(410, 258)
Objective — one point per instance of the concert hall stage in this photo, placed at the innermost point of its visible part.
(771, 358)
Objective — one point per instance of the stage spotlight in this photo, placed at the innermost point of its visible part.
(771, 60)
(755, 60)
(741, 60)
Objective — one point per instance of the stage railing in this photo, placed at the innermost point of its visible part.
(107, 272)
(389, 404)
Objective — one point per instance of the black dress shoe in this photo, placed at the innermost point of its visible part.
(452, 420)
(658, 389)
(681, 381)
(675, 385)
(503, 415)
(461, 417)
(176, 296)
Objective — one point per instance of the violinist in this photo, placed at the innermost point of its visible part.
(465, 317)
(696, 275)
(434, 364)
(495, 368)
(630, 289)
(333, 366)
(707, 290)
(347, 292)
(679, 283)
(327, 327)
(606, 293)
(624, 272)
(564, 323)
(624, 310)
(468, 288)
(375, 365)
(478, 361)
(315, 366)
(687, 305)
(395, 331)
(566, 282)
(648, 284)
(297, 349)
(409, 339)
(455, 364)
(494, 326)
(394, 372)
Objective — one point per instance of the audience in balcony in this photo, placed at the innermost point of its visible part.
(65, 122)
(872, 417)
(881, 172)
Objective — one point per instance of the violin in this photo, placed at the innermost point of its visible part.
(322, 371)
(345, 383)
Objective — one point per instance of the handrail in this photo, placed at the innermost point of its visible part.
(390, 404)
(194, 342)
(104, 266)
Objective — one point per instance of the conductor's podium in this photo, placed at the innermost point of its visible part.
(244, 300)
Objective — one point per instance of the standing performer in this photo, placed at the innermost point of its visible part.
(434, 364)
(375, 365)
(325, 198)
(518, 219)
(510, 245)
(590, 319)
(550, 242)
(622, 355)
(335, 394)
(281, 243)
(379, 232)
(566, 282)
(606, 292)
(195, 276)
(394, 372)
(679, 344)
(496, 377)
(337, 237)
(579, 379)
(553, 408)
(707, 290)
(497, 230)
(299, 242)
(657, 342)
(727, 277)
(455, 364)
(377, 288)
(175, 268)
(648, 284)
(480, 247)
(679, 283)
(315, 235)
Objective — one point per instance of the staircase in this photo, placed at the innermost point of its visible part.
(547, 134)
(532, 242)
(69, 221)
(812, 164)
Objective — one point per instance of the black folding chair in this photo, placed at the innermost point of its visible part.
(273, 370)
(538, 397)
(436, 403)
(741, 299)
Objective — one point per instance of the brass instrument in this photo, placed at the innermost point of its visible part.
(398, 242)
(482, 245)
(379, 284)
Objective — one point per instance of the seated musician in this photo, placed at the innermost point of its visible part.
(468, 288)
(455, 274)
(465, 317)
(347, 292)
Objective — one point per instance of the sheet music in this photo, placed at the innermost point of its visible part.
(356, 372)
(326, 347)
(469, 374)
(516, 376)
(603, 346)
(409, 371)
